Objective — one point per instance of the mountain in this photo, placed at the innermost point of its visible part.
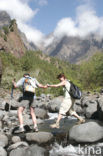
(4, 19)
(74, 49)
(28, 45)
(11, 38)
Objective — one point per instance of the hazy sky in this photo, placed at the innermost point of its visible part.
(37, 18)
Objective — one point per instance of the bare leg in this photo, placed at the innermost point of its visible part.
(20, 116)
(59, 118)
(81, 120)
(56, 125)
(33, 116)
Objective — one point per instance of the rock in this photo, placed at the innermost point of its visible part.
(78, 109)
(0, 70)
(2, 151)
(2, 104)
(0, 124)
(41, 113)
(18, 144)
(43, 96)
(3, 140)
(39, 121)
(34, 150)
(90, 109)
(39, 151)
(54, 105)
(16, 139)
(1, 114)
(87, 132)
(40, 137)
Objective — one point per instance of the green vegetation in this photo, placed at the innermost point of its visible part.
(11, 27)
(6, 30)
(5, 37)
(88, 75)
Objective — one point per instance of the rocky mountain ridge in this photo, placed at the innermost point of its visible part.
(11, 38)
(75, 49)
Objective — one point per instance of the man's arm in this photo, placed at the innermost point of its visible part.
(19, 83)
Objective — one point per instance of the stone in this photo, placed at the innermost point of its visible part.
(54, 105)
(18, 144)
(34, 150)
(40, 137)
(1, 114)
(16, 139)
(2, 151)
(3, 140)
(41, 113)
(87, 133)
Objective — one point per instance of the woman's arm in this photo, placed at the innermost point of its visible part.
(57, 85)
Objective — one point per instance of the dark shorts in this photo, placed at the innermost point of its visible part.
(27, 100)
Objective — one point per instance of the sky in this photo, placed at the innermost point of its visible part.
(38, 18)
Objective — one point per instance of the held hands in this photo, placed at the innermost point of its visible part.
(46, 86)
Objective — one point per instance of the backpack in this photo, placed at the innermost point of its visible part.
(75, 92)
(28, 87)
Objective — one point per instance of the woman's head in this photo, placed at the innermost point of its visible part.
(61, 77)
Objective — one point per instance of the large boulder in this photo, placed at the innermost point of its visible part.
(87, 132)
(34, 150)
(0, 70)
(90, 109)
(18, 144)
(41, 113)
(40, 137)
(2, 151)
(3, 140)
(54, 105)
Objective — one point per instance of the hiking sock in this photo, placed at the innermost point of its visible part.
(21, 126)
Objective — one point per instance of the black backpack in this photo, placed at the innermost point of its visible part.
(75, 92)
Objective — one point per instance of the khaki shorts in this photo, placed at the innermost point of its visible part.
(67, 106)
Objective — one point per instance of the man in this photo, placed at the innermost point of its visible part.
(67, 104)
(27, 98)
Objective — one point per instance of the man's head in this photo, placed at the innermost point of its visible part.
(61, 77)
(26, 75)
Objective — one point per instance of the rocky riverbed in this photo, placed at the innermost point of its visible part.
(69, 140)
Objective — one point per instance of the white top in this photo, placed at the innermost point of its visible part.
(34, 82)
(67, 89)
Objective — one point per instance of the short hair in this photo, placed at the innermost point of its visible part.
(26, 74)
(61, 75)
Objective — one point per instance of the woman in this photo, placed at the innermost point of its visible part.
(67, 104)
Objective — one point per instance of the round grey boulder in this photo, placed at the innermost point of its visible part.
(41, 113)
(16, 139)
(3, 140)
(34, 150)
(2, 151)
(87, 132)
(54, 105)
(40, 137)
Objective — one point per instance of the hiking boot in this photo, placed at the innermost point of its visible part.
(55, 125)
(20, 130)
(36, 129)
